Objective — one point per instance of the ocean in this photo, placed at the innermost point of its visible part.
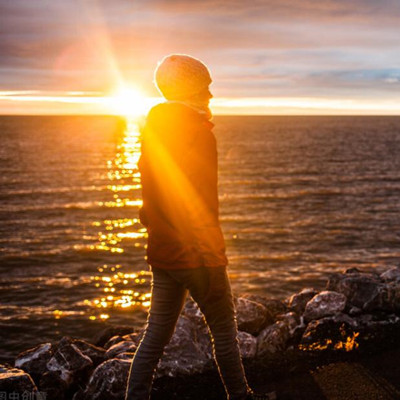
(300, 198)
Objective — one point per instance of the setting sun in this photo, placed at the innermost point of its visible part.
(127, 101)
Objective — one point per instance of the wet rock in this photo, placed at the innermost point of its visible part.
(17, 381)
(183, 355)
(359, 288)
(120, 347)
(95, 353)
(251, 317)
(108, 381)
(392, 274)
(273, 306)
(34, 360)
(272, 339)
(324, 304)
(328, 333)
(52, 384)
(247, 344)
(102, 337)
(298, 301)
(70, 362)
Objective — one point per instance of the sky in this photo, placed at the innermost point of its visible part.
(265, 57)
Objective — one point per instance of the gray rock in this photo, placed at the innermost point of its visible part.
(34, 360)
(15, 380)
(247, 344)
(299, 300)
(70, 362)
(120, 347)
(386, 298)
(292, 321)
(108, 381)
(324, 304)
(251, 317)
(183, 355)
(392, 274)
(273, 339)
(359, 288)
(273, 306)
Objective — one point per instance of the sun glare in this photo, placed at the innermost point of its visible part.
(127, 101)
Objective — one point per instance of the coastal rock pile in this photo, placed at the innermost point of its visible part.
(356, 308)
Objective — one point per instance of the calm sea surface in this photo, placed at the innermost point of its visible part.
(300, 197)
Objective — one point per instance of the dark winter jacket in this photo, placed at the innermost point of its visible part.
(178, 167)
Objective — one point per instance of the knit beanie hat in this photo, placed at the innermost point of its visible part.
(179, 76)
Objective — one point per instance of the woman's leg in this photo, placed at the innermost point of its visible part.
(216, 303)
(167, 300)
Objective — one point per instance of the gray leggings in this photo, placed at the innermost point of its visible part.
(211, 290)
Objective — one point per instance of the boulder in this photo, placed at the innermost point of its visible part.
(329, 333)
(113, 340)
(273, 339)
(120, 347)
(359, 288)
(273, 306)
(34, 360)
(52, 384)
(247, 344)
(387, 298)
(392, 274)
(134, 337)
(298, 301)
(17, 381)
(251, 317)
(324, 304)
(95, 353)
(183, 355)
(70, 362)
(101, 337)
(108, 381)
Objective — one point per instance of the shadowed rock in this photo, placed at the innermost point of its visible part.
(17, 381)
(183, 354)
(34, 360)
(247, 344)
(69, 361)
(359, 288)
(52, 384)
(108, 381)
(273, 339)
(298, 301)
(120, 347)
(101, 338)
(324, 304)
(251, 317)
(273, 306)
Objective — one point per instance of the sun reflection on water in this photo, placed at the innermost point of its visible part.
(120, 288)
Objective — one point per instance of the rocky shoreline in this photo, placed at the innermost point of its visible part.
(358, 312)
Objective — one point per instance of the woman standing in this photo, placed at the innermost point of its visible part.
(186, 250)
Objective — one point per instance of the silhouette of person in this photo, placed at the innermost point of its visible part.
(186, 249)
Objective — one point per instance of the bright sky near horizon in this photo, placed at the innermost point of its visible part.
(266, 56)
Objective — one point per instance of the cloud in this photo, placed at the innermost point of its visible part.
(257, 48)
